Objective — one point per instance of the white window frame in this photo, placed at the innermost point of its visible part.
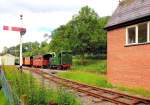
(148, 31)
(127, 34)
(136, 34)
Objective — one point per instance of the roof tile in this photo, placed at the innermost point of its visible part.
(129, 11)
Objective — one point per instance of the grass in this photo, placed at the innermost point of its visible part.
(92, 65)
(86, 77)
(25, 84)
(100, 80)
(3, 100)
(97, 68)
(134, 90)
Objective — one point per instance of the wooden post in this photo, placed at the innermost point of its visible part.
(23, 99)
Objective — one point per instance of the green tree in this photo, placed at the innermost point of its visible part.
(59, 40)
(29, 49)
(84, 34)
(44, 48)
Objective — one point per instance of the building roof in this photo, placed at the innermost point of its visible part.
(9, 55)
(128, 11)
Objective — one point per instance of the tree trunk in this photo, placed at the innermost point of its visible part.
(82, 59)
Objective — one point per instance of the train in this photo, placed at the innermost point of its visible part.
(61, 60)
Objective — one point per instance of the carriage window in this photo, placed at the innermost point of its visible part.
(142, 33)
(131, 35)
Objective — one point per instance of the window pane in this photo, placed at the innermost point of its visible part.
(131, 35)
(142, 33)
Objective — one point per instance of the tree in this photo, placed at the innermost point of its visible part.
(59, 40)
(29, 49)
(86, 32)
(83, 34)
(44, 48)
(5, 50)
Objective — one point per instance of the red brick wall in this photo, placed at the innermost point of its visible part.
(127, 65)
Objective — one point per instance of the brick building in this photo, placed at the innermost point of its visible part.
(128, 44)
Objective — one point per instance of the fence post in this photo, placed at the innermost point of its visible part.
(23, 99)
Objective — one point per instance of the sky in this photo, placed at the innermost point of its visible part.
(43, 16)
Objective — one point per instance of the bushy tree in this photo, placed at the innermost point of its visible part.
(84, 34)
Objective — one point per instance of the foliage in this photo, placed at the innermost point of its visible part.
(59, 40)
(85, 77)
(25, 84)
(84, 34)
(92, 65)
(29, 49)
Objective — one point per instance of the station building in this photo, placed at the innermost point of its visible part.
(8, 60)
(128, 44)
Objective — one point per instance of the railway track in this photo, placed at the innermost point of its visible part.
(116, 98)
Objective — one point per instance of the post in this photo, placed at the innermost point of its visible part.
(21, 51)
(21, 18)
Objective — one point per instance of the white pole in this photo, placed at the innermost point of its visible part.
(21, 18)
(20, 50)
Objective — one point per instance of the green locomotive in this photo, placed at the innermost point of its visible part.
(61, 60)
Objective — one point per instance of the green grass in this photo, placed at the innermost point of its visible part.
(100, 80)
(97, 68)
(25, 84)
(86, 77)
(134, 90)
(92, 65)
(3, 100)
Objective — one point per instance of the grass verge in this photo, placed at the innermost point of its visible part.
(134, 90)
(90, 65)
(100, 80)
(86, 77)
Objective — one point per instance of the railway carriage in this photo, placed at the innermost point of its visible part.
(41, 60)
(28, 61)
(37, 61)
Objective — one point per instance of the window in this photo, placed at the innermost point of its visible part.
(138, 33)
(131, 35)
(142, 33)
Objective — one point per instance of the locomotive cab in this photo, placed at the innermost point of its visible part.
(62, 60)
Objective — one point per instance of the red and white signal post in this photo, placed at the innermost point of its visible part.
(22, 32)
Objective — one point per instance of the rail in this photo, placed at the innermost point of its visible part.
(114, 97)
